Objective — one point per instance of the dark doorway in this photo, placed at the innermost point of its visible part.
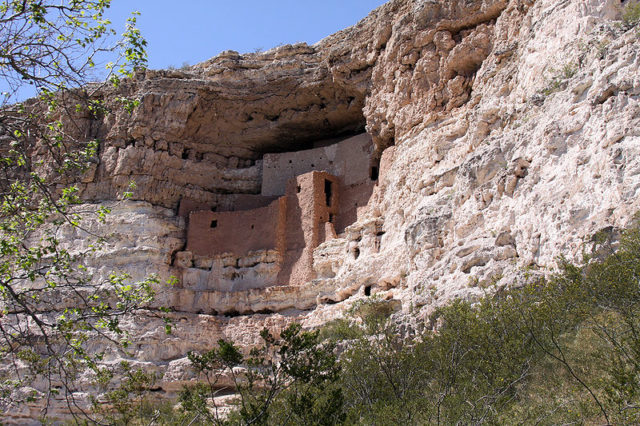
(374, 173)
(328, 191)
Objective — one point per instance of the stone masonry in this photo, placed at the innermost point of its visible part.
(308, 197)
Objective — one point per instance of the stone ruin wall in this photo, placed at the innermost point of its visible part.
(313, 200)
(313, 195)
(351, 159)
(239, 232)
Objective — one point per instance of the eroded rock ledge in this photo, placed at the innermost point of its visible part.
(202, 132)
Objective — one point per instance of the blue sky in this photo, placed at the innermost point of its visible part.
(196, 30)
(192, 31)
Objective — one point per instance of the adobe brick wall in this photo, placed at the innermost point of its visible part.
(249, 202)
(230, 202)
(188, 205)
(350, 159)
(215, 233)
(314, 207)
(352, 199)
(309, 210)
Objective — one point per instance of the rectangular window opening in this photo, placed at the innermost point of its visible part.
(374, 173)
(328, 191)
(214, 224)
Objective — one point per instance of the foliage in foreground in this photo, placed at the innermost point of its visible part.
(57, 324)
(631, 14)
(555, 351)
(290, 380)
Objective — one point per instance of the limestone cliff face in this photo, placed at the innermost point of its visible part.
(507, 133)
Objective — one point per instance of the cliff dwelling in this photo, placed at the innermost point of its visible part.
(307, 197)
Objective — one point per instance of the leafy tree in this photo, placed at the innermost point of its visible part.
(287, 381)
(125, 403)
(54, 316)
(54, 45)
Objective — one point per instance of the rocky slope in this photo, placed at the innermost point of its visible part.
(508, 133)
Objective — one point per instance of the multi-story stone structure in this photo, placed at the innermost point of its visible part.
(307, 197)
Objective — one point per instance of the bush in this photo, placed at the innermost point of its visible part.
(290, 380)
(631, 14)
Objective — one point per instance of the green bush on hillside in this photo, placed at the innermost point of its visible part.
(631, 14)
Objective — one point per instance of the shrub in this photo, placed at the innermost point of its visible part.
(563, 349)
(290, 380)
(631, 14)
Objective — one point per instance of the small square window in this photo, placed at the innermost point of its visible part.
(214, 224)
